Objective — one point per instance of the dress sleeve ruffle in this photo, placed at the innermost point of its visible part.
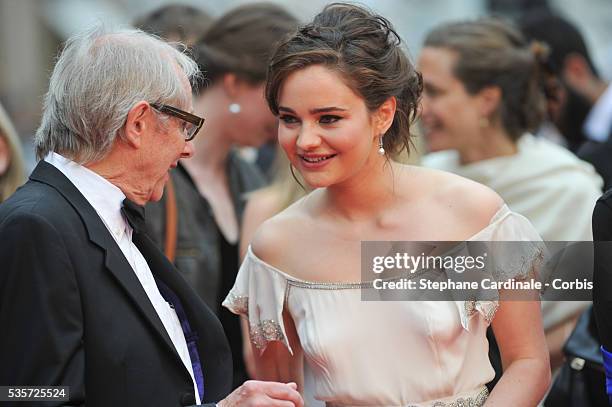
(259, 294)
(516, 251)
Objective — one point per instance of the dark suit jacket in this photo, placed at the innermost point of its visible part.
(602, 270)
(600, 155)
(73, 313)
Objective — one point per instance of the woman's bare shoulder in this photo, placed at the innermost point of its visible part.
(461, 197)
(279, 234)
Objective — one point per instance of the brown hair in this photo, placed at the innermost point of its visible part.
(176, 22)
(241, 41)
(364, 48)
(492, 52)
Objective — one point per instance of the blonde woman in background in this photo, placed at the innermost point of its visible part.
(12, 173)
(266, 202)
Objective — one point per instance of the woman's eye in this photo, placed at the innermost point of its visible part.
(329, 119)
(287, 119)
(431, 92)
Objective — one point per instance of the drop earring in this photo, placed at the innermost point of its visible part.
(381, 148)
(234, 108)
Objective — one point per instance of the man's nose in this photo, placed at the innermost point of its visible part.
(187, 150)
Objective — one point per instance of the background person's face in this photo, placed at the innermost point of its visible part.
(571, 115)
(450, 115)
(5, 155)
(255, 124)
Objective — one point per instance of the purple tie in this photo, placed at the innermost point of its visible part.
(190, 337)
(136, 217)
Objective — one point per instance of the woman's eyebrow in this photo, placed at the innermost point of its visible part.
(314, 111)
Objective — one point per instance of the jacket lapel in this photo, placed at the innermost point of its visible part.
(213, 348)
(115, 261)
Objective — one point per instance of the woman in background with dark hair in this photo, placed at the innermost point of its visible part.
(346, 94)
(482, 96)
(209, 189)
(176, 22)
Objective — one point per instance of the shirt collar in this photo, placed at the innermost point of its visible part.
(106, 198)
(599, 121)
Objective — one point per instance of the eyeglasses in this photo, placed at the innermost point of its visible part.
(193, 122)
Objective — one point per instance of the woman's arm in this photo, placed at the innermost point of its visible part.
(261, 206)
(518, 329)
(276, 363)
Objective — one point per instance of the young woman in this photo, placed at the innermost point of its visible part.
(345, 95)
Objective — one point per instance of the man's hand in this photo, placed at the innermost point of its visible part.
(264, 394)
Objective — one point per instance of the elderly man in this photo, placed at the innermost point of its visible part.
(86, 300)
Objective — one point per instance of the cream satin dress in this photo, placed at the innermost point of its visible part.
(380, 353)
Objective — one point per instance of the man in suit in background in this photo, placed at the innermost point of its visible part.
(582, 107)
(86, 299)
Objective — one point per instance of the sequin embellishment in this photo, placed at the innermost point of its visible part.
(488, 309)
(266, 331)
(238, 303)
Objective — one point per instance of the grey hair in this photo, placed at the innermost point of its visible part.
(99, 76)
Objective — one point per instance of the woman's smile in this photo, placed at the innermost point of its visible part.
(315, 161)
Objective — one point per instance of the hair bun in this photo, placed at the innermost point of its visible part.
(311, 31)
(540, 51)
(323, 33)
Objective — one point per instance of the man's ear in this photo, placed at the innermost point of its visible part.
(139, 121)
(383, 117)
(489, 99)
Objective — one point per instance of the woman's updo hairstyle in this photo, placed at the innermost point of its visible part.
(491, 52)
(364, 48)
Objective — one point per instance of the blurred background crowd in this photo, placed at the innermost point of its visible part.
(31, 32)
(549, 161)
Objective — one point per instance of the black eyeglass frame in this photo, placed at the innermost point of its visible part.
(183, 115)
